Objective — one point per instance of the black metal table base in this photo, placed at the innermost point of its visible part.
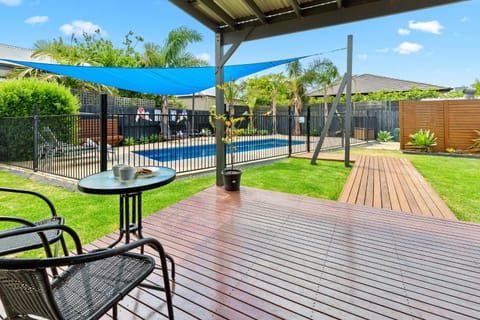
(131, 223)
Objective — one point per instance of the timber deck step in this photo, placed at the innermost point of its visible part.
(392, 183)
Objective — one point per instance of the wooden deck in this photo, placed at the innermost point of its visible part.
(257, 254)
(392, 183)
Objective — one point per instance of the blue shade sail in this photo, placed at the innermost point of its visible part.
(163, 81)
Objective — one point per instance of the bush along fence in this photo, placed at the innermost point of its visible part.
(75, 146)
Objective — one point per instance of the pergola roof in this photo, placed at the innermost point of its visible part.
(243, 20)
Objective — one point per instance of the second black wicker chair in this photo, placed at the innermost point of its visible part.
(28, 241)
(90, 285)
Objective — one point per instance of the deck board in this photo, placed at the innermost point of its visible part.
(258, 254)
(392, 183)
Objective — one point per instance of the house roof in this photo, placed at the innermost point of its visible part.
(368, 83)
(15, 53)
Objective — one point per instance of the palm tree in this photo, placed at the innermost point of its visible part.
(172, 54)
(299, 78)
(276, 82)
(325, 73)
(231, 92)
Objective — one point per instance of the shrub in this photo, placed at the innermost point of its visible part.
(423, 140)
(129, 141)
(143, 140)
(154, 138)
(263, 132)
(249, 131)
(384, 136)
(19, 97)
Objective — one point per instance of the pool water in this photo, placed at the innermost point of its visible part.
(190, 152)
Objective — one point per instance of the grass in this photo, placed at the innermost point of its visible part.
(91, 216)
(455, 179)
(297, 176)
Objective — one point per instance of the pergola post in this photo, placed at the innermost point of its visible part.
(348, 101)
(219, 109)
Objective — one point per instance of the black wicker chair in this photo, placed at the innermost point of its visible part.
(90, 285)
(28, 241)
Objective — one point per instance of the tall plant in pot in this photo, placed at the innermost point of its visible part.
(231, 175)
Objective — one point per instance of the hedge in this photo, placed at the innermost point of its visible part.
(19, 97)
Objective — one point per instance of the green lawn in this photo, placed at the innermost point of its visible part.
(455, 179)
(324, 180)
(92, 216)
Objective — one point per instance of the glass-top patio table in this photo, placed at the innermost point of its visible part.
(130, 201)
(130, 193)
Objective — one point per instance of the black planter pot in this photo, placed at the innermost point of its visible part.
(231, 179)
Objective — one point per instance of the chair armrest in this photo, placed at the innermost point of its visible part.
(23, 222)
(26, 263)
(40, 231)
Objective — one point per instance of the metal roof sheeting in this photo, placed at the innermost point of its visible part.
(267, 18)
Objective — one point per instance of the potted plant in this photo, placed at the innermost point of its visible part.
(231, 175)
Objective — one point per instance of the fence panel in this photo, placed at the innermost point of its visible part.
(69, 145)
(452, 121)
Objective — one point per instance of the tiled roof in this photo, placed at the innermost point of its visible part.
(367, 83)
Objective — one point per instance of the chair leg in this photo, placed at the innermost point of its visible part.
(114, 312)
(64, 247)
(166, 283)
(172, 262)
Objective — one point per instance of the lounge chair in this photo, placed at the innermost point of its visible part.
(89, 286)
(61, 148)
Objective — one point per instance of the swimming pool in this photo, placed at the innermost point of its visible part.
(190, 152)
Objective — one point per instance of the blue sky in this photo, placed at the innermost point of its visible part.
(438, 45)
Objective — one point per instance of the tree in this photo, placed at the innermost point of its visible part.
(173, 53)
(232, 92)
(476, 85)
(325, 74)
(89, 50)
(270, 89)
(298, 79)
(96, 51)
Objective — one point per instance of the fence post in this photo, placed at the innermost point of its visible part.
(308, 129)
(103, 132)
(289, 131)
(35, 138)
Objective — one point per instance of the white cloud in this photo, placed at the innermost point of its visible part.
(363, 56)
(11, 3)
(204, 56)
(403, 32)
(429, 26)
(408, 47)
(78, 27)
(465, 19)
(36, 19)
(382, 50)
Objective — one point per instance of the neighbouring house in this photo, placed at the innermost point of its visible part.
(368, 83)
(14, 53)
(202, 100)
